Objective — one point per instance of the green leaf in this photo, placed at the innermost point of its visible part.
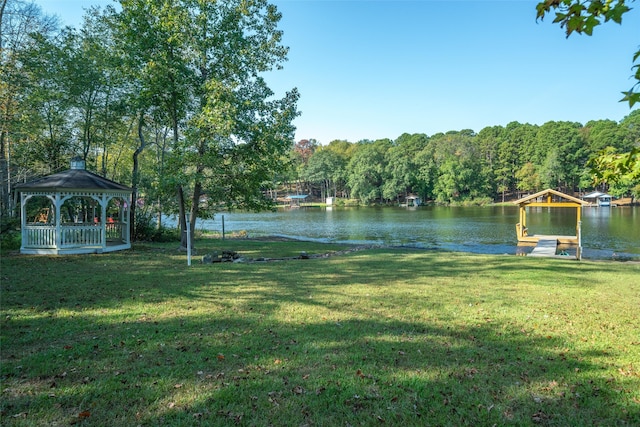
(590, 23)
(615, 14)
(631, 97)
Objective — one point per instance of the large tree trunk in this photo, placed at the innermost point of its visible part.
(181, 219)
(135, 177)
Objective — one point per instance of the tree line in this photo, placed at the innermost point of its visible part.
(469, 167)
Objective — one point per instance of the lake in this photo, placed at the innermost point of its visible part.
(607, 232)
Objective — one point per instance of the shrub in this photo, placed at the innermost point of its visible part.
(146, 229)
(10, 237)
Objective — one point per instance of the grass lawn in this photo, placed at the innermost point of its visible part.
(373, 337)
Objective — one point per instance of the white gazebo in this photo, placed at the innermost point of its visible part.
(74, 212)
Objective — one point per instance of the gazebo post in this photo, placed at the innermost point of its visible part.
(58, 205)
(23, 217)
(103, 219)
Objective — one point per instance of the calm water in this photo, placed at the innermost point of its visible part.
(607, 232)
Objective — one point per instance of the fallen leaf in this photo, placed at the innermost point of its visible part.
(220, 356)
(84, 414)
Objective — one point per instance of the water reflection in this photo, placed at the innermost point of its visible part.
(607, 232)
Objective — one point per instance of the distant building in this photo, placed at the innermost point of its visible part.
(598, 199)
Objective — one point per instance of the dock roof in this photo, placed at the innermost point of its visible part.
(549, 192)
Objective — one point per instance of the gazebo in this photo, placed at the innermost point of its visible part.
(74, 212)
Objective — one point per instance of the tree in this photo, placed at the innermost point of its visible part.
(366, 170)
(402, 167)
(561, 154)
(527, 178)
(582, 16)
(325, 167)
(458, 172)
(344, 151)
(18, 21)
(203, 62)
(48, 108)
(620, 170)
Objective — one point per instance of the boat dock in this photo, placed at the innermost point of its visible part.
(546, 247)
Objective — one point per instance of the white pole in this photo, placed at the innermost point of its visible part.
(579, 240)
(188, 218)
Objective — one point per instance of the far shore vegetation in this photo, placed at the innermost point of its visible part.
(378, 336)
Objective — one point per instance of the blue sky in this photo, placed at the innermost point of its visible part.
(376, 69)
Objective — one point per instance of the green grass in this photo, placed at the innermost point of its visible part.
(383, 336)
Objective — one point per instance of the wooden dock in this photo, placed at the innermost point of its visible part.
(546, 247)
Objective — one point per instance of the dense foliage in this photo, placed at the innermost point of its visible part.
(166, 96)
(464, 166)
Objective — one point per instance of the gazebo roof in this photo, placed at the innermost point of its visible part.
(72, 179)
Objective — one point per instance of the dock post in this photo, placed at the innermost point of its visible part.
(579, 249)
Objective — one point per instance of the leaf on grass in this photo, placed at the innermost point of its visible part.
(298, 390)
(359, 373)
(539, 417)
(84, 414)
(220, 356)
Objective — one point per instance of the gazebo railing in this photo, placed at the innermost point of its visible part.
(44, 236)
(114, 230)
(84, 235)
(39, 236)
